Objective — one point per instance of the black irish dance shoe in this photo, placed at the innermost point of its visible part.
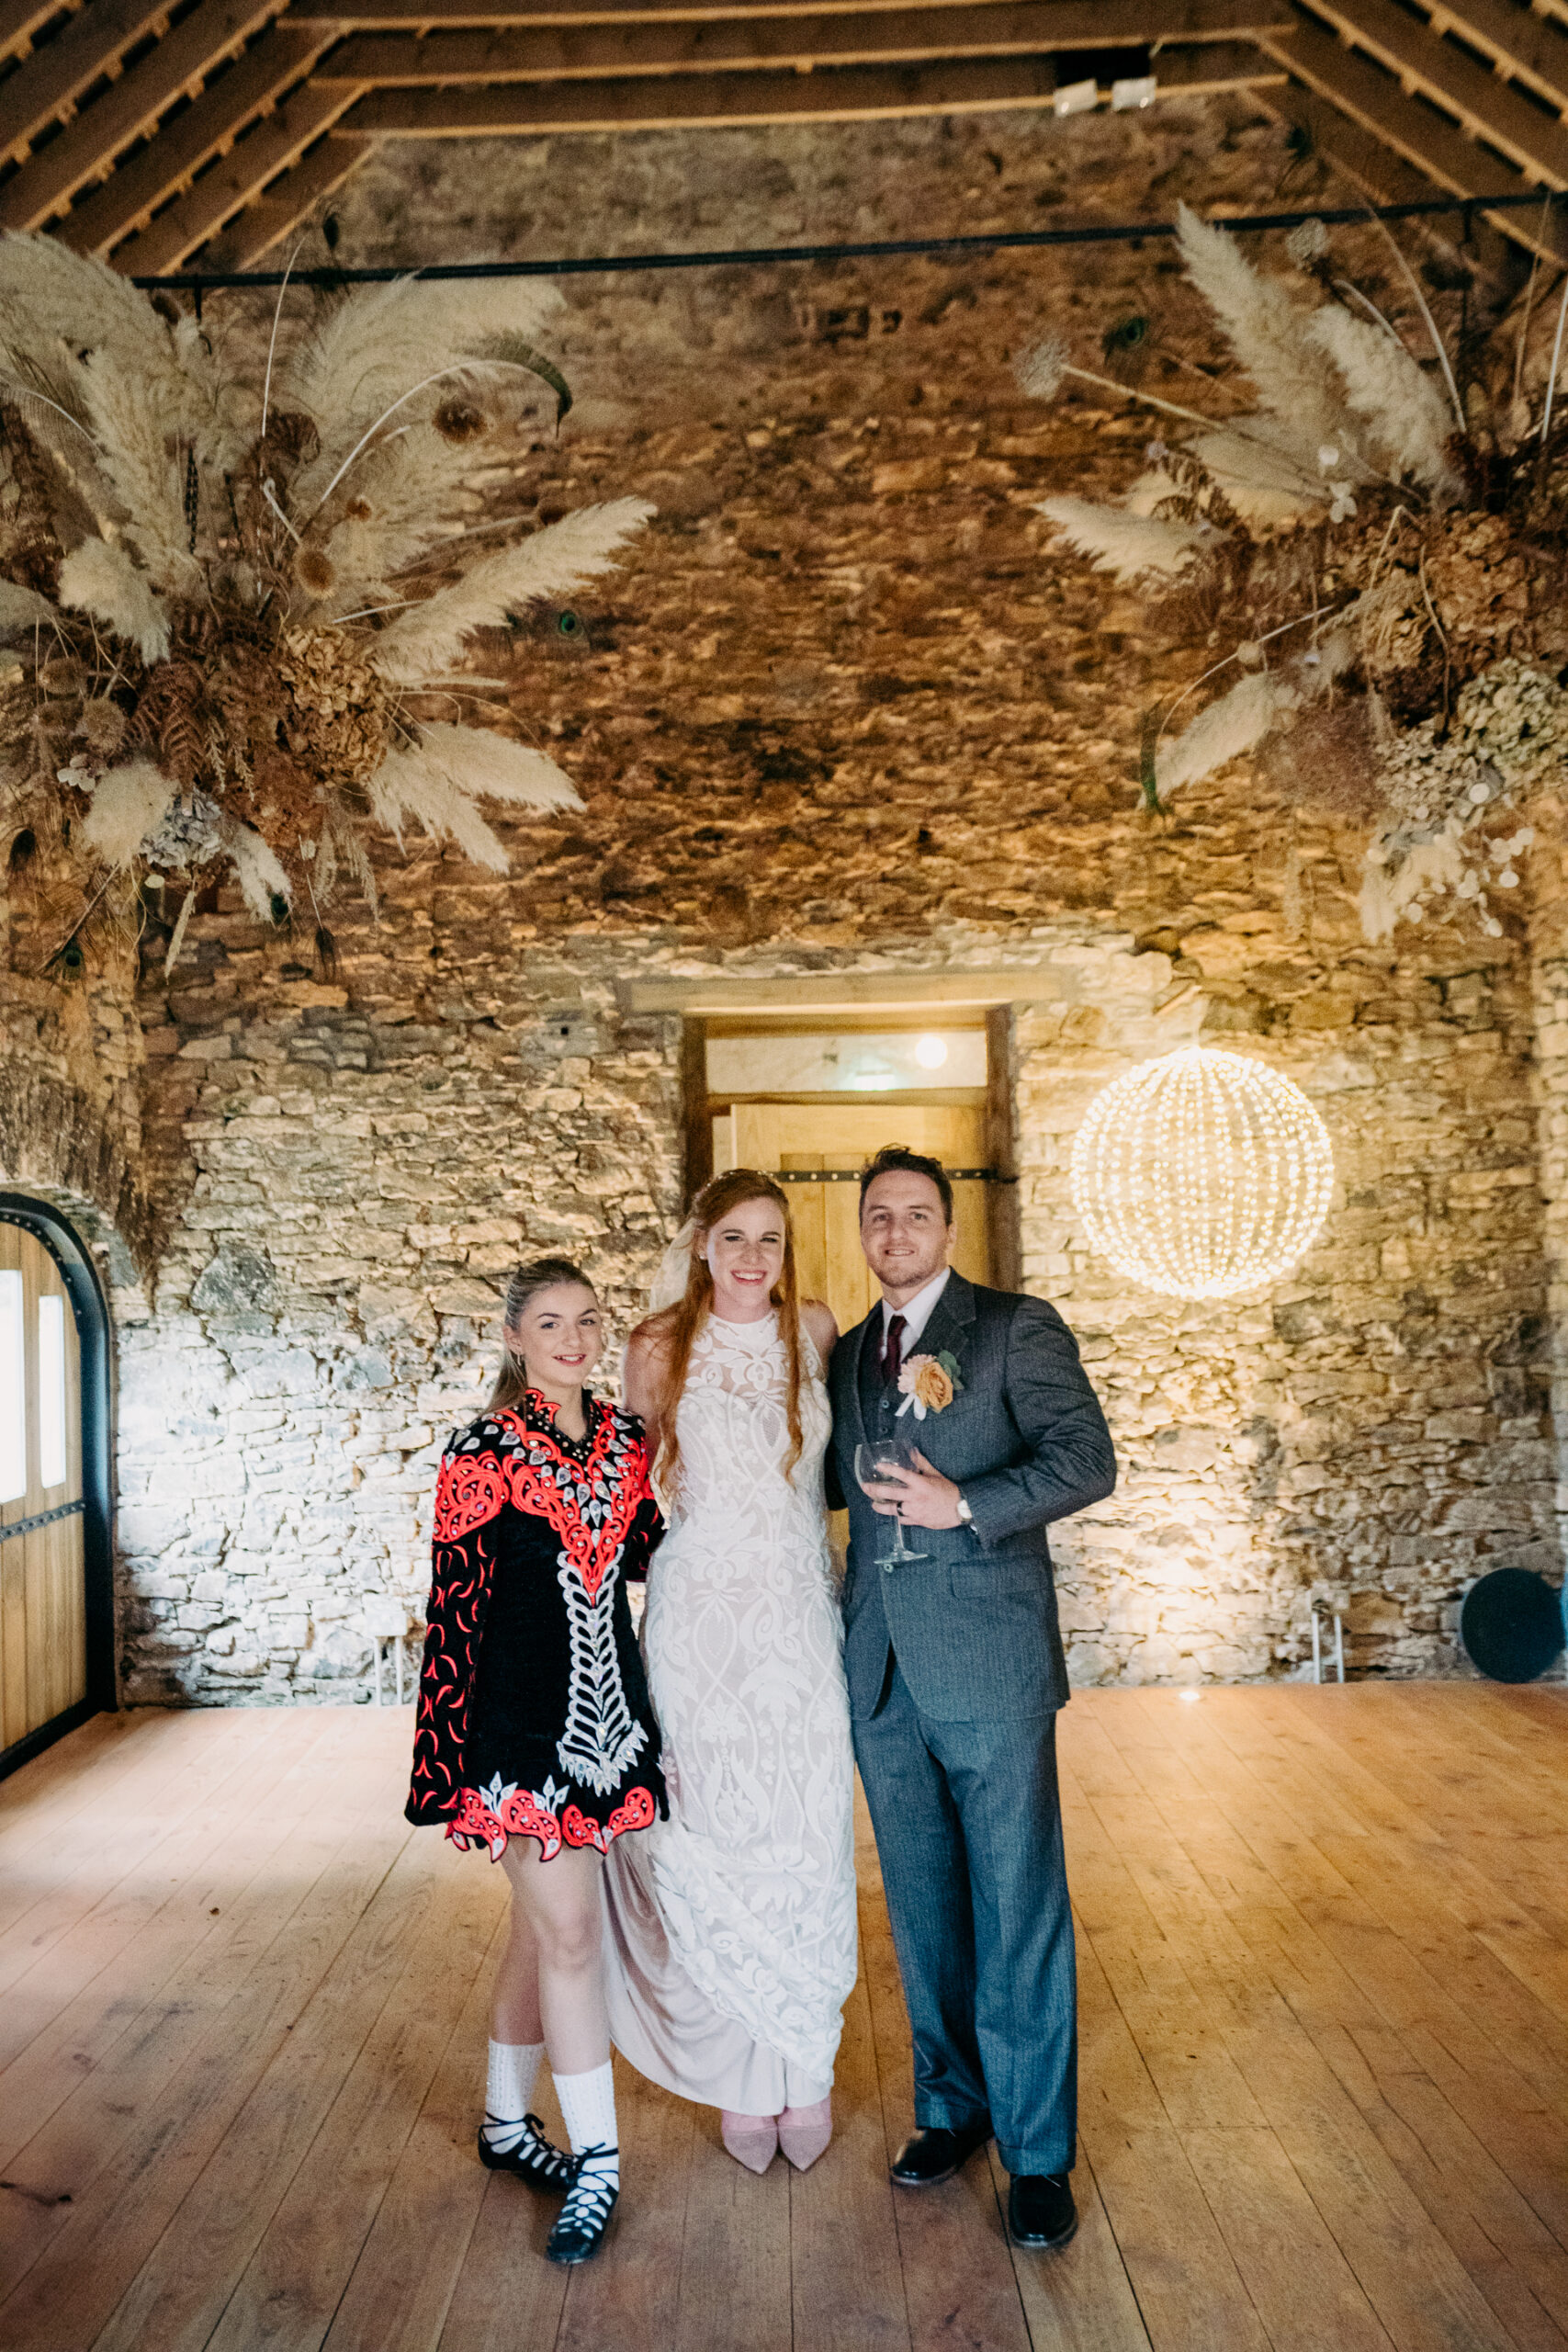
(1040, 2209)
(935, 2154)
(590, 2201)
(521, 2148)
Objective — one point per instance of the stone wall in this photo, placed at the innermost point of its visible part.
(844, 708)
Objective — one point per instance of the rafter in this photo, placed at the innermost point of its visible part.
(535, 16)
(286, 203)
(1526, 45)
(1436, 147)
(274, 142)
(1485, 106)
(1370, 168)
(907, 35)
(129, 110)
(180, 148)
(836, 94)
(19, 20)
(67, 65)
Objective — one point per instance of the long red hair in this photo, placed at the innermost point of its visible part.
(673, 1331)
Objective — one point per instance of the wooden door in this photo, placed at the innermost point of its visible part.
(789, 1138)
(43, 1615)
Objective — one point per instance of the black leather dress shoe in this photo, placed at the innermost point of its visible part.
(1040, 2210)
(936, 2153)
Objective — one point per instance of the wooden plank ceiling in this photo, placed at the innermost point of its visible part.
(168, 133)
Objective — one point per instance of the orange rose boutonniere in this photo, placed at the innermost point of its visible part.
(929, 1384)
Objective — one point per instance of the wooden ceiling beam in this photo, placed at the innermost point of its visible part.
(180, 148)
(1438, 148)
(1487, 108)
(57, 74)
(1526, 45)
(906, 36)
(19, 20)
(516, 16)
(1371, 169)
(129, 110)
(278, 140)
(835, 94)
(287, 202)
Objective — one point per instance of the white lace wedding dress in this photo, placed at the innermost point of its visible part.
(730, 1943)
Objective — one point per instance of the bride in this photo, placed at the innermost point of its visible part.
(731, 1944)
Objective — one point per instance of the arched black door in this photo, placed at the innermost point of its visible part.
(56, 1572)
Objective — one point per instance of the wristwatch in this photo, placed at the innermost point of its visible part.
(965, 1516)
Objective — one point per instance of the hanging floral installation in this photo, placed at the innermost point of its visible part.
(1373, 561)
(241, 575)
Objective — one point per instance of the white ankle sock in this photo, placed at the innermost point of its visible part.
(588, 2110)
(509, 2087)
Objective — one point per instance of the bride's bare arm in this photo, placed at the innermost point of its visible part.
(642, 1383)
(818, 1320)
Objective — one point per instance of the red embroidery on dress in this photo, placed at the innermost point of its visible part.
(521, 1813)
(467, 1492)
(592, 1551)
(580, 1830)
(635, 1813)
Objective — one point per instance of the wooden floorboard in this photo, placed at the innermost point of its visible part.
(1322, 1941)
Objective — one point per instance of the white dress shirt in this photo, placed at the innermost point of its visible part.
(916, 1314)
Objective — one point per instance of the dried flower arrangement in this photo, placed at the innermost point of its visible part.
(1384, 559)
(238, 564)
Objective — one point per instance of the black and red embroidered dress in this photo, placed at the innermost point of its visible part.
(534, 1717)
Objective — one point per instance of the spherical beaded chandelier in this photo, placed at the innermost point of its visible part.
(1201, 1174)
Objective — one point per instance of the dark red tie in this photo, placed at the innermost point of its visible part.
(893, 1353)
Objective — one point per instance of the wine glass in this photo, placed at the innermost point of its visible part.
(872, 1461)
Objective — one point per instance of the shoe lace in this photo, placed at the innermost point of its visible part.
(595, 2189)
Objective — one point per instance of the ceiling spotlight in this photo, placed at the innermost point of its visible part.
(931, 1052)
(1139, 90)
(1075, 98)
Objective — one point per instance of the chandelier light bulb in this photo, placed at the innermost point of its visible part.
(1201, 1174)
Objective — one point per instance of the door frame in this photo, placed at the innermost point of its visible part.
(89, 1309)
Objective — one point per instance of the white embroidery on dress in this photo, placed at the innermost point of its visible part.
(601, 1738)
(754, 1869)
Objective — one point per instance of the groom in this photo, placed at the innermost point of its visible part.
(955, 1674)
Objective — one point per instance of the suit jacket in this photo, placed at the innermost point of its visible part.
(973, 1624)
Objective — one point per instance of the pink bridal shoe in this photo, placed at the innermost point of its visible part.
(753, 2140)
(804, 2131)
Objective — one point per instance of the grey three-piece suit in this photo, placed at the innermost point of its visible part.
(955, 1674)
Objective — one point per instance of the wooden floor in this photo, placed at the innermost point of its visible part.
(1323, 1956)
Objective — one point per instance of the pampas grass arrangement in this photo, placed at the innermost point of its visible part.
(238, 557)
(1386, 560)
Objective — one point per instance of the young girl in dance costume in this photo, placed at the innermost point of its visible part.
(534, 1735)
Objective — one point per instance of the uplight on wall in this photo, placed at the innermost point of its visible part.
(1201, 1174)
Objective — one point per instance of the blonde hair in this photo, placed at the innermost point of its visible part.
(673, 1331)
